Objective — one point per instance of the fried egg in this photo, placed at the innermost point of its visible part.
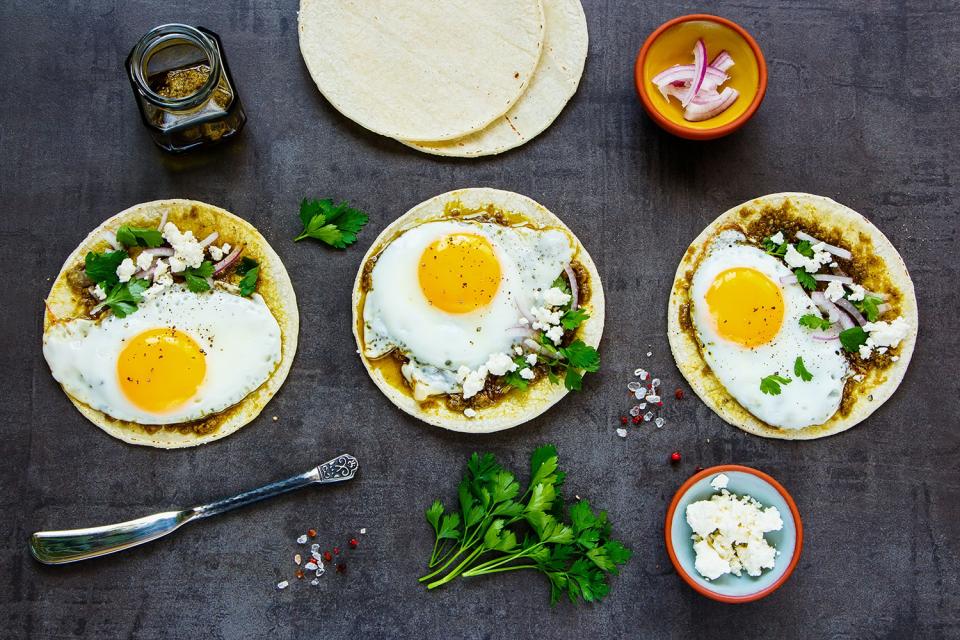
(748, 324)
(179, 357)
(448, 294)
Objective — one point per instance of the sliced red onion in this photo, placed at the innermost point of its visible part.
(823, 303)
(111, 239)
(722, 61)
(825, 337)
(227, 261)
(160, 252)
(519, 332)
(684, 74)
(206, 242)
(790, 279)
(823, 277)
(699, 70)
(163, 221)
(574, 289)
(698, 112)
(846, 322)
(829, 248)
(146, 274)
(524, 310)
(847, 306)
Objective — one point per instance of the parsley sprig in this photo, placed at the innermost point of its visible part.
(800, 370)
(122, 298)
(853, 338)
(139, 236)
(771, 384)
(249, 269)
(336, 225)
(499, 529)
(197, 278)
(869, 307)
(814, 321)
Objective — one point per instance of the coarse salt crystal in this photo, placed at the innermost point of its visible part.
(633, 386)
(315, 582)
(310, 566)
(648, 416)
(639, 393)
(635, 410)
(320, 571)
(283, 585)
(649, 353)
(302, 539)
(642, 373)
(314, 548)
(622, 433)
(642, 405)
(363, 531)
(659, 422)
(655, 383)
(654, 398)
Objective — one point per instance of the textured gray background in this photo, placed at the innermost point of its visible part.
(861, 107)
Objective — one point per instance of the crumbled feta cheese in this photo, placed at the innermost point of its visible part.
(554, 297)
(161, 274)
(777, 238)
(215, 252)
(544, 318)
(470, 413)
(728, 535)
(796, 260)
(895, 358)
(555, 334)
(720, 481)
(522, 321)
(887, 334)
(186, 248)
(98, 292)
(834, 291)
(126, 270)
(531, 359)
(857, 292)
(526, 373)
(499, 364)
(225, 249)
(865, 351)
(144, 260)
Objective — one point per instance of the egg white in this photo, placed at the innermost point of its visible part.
(740, 369)
(396, 314)
(240, 337)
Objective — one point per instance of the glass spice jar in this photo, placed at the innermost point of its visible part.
(183, 87)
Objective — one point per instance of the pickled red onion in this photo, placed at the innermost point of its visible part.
(699, 71)
(695, 85)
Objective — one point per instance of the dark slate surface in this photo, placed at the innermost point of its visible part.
(861, 108)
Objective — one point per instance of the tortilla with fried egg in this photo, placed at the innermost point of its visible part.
(513, 408)
(879, 268)
(68, 299)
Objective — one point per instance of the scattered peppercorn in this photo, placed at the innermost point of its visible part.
(636, 419)
(336, 551)
(354, 543)
(678, 394)
(299, 574)
(623, 419)
(312, 533)
(341, 568)
(675, 456)
(327, 556)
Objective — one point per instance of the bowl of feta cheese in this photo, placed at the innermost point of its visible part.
(733, 533)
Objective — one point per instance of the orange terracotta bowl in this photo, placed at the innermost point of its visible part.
(672, 43)
(743, 481)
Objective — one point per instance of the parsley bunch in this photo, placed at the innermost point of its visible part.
(336, 225)
(500, 529)
(122, 297)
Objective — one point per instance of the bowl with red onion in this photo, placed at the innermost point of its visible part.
(700, 76)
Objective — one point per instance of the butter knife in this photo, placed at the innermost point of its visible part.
(61, 547)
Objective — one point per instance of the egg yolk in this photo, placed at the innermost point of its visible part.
(161, 369)
(746, 305)
(459, 272)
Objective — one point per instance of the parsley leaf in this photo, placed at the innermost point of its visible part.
(771, 384)
(805, 279)
(804, 248)
(813, 321)
(513, 378)
(562, 284)
(139, 236)
(123, 297)
(572, 380)
(868, 307)
(504, 529)
(102, 267)
(853, 338)
(196, 277)
(250, 270)
(774, 249)
(801, 371)
(336, 225)
(581, 356)
(573, 318)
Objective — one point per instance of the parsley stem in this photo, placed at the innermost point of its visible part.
(473, 572)
(456, 570)
(445, 565)
(496, 562)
